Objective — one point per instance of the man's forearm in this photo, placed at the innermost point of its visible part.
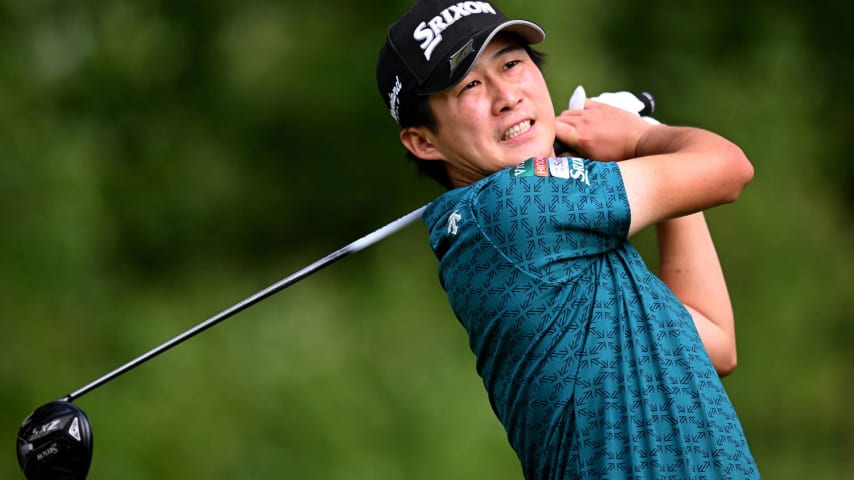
(667, 139)
(689, 265)
(680, 171)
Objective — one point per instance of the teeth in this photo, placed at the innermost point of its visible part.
(517, 130)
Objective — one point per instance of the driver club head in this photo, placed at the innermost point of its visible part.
(55, 443)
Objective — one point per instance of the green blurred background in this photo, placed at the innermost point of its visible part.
(161, 160)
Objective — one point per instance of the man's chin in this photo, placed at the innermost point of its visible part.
(533, 153)
(540, 148)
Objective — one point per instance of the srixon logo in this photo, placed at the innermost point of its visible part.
(429, 33)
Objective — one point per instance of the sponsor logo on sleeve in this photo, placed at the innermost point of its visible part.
(564, 167)
(523, 169)
(541, 167)
(559, 167)
(579, 171)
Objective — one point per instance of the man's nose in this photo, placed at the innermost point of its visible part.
(506, 96)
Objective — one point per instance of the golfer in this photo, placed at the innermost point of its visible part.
(597, 367)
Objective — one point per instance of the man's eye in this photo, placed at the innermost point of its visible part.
(471, 84)
(511, 64)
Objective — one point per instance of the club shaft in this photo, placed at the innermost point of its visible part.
(291, 279)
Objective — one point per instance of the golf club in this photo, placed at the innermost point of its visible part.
(55, 442)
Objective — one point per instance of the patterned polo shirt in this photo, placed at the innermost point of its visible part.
(591, 363)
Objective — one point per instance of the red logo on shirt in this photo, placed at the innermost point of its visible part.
(541, 167)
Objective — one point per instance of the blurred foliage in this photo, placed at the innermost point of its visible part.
(161, 160)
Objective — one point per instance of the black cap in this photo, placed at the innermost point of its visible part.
(435, 44)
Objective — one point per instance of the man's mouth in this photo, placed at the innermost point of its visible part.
(517, 130)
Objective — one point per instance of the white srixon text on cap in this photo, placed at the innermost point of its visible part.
(430, 32)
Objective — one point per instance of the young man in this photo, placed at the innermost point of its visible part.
(596, 367)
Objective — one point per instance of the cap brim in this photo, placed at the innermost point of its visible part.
(531, 32)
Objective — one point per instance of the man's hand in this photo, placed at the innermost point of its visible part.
(601, 132)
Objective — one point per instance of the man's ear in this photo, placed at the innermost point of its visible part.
(418, 140)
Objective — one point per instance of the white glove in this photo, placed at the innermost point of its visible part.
(624, 100)
(576, 101)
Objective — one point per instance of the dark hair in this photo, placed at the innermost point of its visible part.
(419, 114)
